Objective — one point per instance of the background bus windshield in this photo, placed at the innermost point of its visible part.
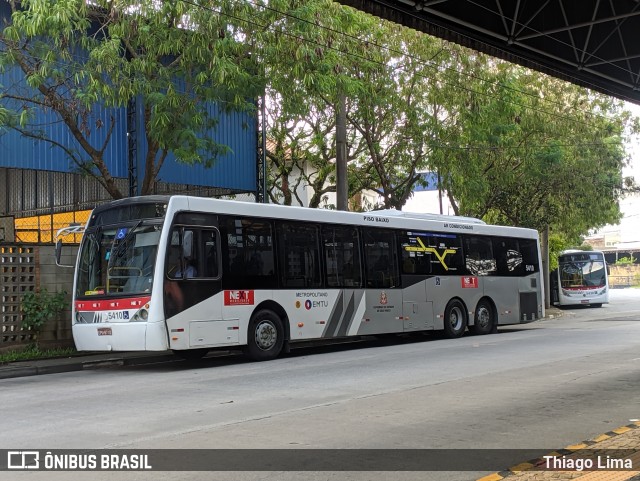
(583, 271)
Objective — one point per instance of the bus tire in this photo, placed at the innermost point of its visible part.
(597, 304)
(455, 319)
(484, 320)
(265, 337)
(191, 354)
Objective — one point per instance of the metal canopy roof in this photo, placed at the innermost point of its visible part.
(594, 43)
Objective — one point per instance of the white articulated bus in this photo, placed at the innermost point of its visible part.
(192, 274)
(581, 278)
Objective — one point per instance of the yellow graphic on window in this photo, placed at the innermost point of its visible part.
(432, 250)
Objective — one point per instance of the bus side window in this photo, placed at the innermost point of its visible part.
(249, 261)
(210, 248)
(478, 255)
(341, 256)
(381, 258)
(299, 255)
(508, 256)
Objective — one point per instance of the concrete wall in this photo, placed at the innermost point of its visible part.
(624, 276)
(25, 268)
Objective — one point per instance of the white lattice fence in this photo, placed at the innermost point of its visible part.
(18, 274)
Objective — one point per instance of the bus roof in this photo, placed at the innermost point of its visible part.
(382, 219)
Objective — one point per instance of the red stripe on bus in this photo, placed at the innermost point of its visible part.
(112, 304)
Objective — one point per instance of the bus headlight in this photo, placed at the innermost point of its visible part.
(141, 316)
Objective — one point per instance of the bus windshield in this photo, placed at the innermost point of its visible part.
(117, 261)
(582, 274)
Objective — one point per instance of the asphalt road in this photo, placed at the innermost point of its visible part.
(542, 386)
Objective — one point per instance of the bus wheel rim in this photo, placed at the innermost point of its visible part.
(455, 318)
(266, 335)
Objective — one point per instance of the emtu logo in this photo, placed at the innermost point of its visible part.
(23, 460)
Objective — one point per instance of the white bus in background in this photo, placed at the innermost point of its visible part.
(192, 274)
(582, 278)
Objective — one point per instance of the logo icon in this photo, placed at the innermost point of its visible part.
(238, 298)
(23, 460)
(383, 298)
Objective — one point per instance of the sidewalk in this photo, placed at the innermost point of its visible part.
(619, 444)
(78, 363)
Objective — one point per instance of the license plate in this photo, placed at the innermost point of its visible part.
(104, 331)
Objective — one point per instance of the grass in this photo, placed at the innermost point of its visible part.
(34, 352)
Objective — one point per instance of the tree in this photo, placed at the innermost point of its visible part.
(534, 151)
(176, 57)
(323, 50)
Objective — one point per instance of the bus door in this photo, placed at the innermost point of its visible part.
(383, 292)
(193, 287)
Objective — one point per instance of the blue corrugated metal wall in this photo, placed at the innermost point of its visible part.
(23, 152)
(236, 170)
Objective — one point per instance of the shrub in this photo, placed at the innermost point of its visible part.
(38, 307)
(625, 261)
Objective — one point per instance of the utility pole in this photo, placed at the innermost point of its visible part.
(342, 186)
(544, 247)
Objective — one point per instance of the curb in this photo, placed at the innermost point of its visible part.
(10, 372)
(527, 465)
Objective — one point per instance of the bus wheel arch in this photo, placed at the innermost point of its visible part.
(455, 318)
(267, 332)
(485, 319)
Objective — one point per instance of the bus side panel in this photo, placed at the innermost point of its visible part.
(383, 312)
(199, 326)
(313, 312)
(417, 312)
(442, 289)
(503, 291)
(530, 298)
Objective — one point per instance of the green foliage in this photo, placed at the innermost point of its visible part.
(557, 244)
(34, 352)
(176, 57)
(511, 146)
(38, 307)
(625, 261)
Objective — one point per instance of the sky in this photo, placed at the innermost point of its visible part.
(629, 227)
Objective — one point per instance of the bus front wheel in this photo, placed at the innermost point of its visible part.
(455, 319)
(265, 337)
(484, 320)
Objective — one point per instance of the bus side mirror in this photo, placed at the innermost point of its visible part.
(72, 229)
(59, 254)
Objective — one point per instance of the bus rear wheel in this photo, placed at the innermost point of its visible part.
(265, 337)
(484, 320)
(455, 319)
